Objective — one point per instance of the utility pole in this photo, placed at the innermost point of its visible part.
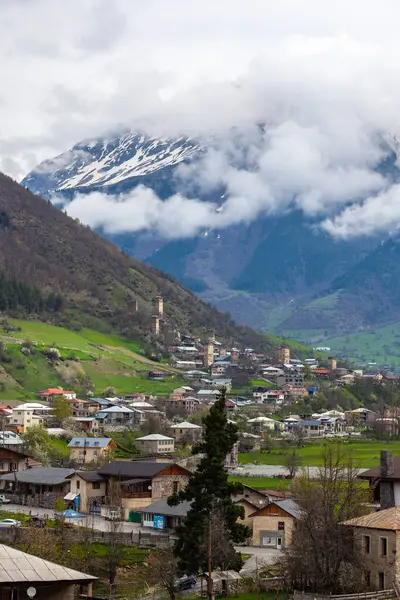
(210, 584)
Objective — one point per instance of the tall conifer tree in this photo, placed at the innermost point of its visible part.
(210, 494)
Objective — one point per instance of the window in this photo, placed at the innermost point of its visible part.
(281, 525)
(367, 544)
(381, 580)
(96, 485)
(175, 485)
(78, 484)
(383, 546)
(368, 578)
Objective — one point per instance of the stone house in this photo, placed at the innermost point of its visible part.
(143, 482)
(88, 449)
(186, 430)
(274, 523)
(377, 537)
(155, 443)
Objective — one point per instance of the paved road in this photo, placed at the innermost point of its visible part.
(98, 523)
(270, 470)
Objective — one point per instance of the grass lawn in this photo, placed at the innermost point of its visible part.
(130, 556)
(262, 483)
(261, 383)
(365, 453)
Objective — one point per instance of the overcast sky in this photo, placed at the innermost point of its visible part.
(324, 77)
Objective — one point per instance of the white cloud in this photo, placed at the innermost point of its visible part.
(324, 78)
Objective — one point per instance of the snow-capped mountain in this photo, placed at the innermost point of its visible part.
(105, 162)
(267, 272)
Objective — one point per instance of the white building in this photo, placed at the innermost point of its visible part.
(155, 444)
(30, 413)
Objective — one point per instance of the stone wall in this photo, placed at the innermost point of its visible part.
(163, 486)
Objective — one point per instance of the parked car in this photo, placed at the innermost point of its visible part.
(186, 582)
(4, 499)
(10, 523)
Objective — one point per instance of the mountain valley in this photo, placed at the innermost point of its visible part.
(280, 273)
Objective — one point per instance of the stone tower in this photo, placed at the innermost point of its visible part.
(332, 365)
(284, 354)
(208, 354)
(155, 325)
(160, 306)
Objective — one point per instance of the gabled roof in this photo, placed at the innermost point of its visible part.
(383, 519)
(86, 442)
(89, 476)
(20, 567)
(288, 505)
(185, 425)
(39, 475)
(135, 468)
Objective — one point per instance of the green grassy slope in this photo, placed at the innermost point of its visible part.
(364, 453)
(109, 360)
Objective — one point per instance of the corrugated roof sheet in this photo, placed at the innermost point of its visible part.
(383, 519)
(161, 507)
(17, 566)
(39, 475)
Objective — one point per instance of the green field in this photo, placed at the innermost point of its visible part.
(364, 453)
(381, 346)
(108, 360)
(262, 483)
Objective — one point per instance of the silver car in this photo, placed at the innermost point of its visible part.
(10, 523)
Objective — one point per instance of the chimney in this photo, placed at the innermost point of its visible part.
(386, 490)
(387, 464)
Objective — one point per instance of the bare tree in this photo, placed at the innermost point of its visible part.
(322, 555)
(299, 436)
(162, 570)
(114, 547)
(292, 463)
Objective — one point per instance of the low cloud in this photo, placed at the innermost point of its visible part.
(377, 214)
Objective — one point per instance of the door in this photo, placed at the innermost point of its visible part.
(279, 543)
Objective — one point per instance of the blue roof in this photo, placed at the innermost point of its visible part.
(87, 442)
(308, 423)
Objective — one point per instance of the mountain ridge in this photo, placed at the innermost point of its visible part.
(278, 265)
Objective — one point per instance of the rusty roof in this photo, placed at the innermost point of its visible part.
(383, 519)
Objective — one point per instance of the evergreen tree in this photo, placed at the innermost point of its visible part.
(210, 494)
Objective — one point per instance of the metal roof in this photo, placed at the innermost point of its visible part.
(289, 506)
(40, 475)
(383, 519)
(135, 468)
(17, 566)
(185, 425)
(154, 437)
(85, 442)
(161, 507)
(375, 472)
